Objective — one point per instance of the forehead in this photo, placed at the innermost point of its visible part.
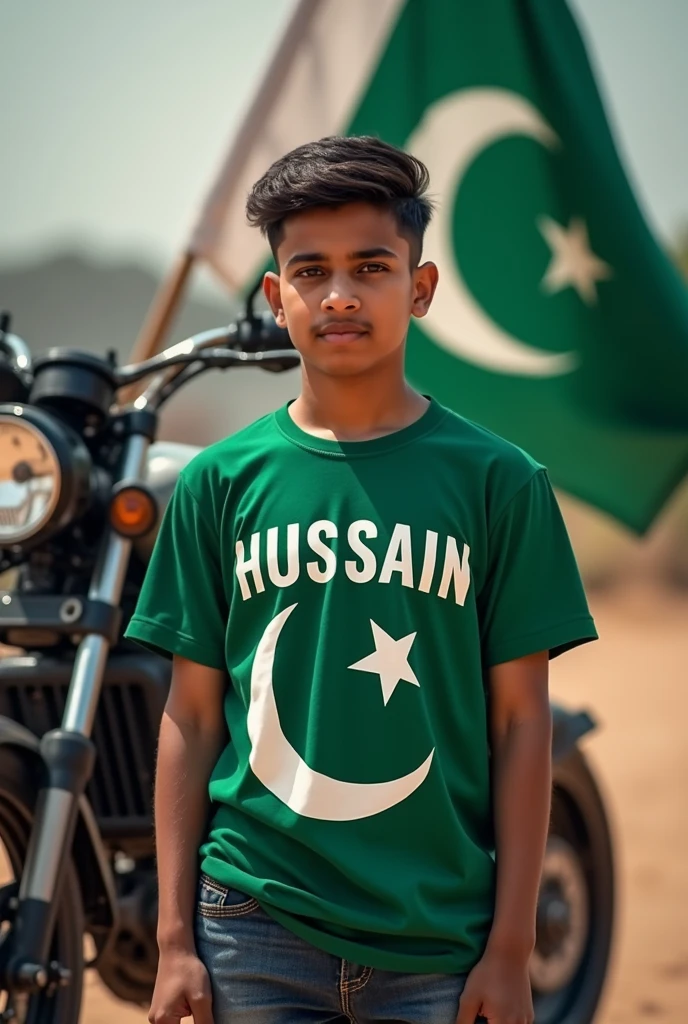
(337, 232)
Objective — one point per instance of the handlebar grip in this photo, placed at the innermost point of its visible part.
(259, 334)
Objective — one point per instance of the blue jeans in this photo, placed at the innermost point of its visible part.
(261, 973)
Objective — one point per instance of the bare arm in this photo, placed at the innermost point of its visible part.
(191, 735)
(521, 733)
(521, 725)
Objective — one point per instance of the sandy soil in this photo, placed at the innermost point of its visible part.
(635, 680)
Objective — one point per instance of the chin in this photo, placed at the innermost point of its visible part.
(344, 364)
(349, 359)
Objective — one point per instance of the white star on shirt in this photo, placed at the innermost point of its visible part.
(389, 660)
(573, 262)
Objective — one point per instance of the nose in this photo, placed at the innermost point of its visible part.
(338, 301)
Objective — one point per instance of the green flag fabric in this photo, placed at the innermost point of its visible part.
(558, 322)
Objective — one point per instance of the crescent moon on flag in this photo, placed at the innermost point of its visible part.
(452, 133)
(281, 769)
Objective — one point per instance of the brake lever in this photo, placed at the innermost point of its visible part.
(270, 359)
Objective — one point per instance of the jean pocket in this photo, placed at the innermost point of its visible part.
(217, 900)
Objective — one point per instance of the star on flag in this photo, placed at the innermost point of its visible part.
(573, 263)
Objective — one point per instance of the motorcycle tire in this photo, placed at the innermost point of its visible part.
(576, 906)
(18, 790)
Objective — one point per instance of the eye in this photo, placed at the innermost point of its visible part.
(309, 272)
(372, 268)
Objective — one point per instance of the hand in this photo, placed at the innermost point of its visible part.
(182, 989)
(498, 989)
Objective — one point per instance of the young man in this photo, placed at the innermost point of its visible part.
(365, 589)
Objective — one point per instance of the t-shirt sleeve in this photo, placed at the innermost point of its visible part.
(182, 607)
(532, 599)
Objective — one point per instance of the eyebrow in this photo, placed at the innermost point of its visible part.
(361, 254)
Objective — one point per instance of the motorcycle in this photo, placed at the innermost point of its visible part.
(83, 483)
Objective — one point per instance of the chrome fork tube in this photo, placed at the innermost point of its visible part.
(56, 809)
(108, 579)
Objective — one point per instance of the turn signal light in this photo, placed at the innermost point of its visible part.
(133, 511)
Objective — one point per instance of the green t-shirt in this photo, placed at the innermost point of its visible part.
(357, 593)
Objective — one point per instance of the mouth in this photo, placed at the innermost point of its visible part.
(341, 333)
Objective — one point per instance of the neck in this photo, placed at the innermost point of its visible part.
(357, 408)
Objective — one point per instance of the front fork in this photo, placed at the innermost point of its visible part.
(69, 756)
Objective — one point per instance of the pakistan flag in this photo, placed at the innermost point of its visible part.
(558, 322)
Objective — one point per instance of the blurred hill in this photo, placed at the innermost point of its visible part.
(71, 300)
(75, 301)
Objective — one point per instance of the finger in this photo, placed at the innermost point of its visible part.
(469, 1008)
(164, 1017)
(202, 1009)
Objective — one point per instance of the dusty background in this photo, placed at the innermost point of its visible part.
(635, 681)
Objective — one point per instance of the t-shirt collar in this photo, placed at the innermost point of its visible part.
(352, 449)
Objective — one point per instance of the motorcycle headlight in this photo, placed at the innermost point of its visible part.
(44, 474)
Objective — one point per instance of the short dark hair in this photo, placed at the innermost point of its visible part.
(343, 169)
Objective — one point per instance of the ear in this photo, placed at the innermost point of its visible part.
(425, 280)
(271, 290)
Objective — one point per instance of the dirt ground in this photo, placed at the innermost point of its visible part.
(635, 680)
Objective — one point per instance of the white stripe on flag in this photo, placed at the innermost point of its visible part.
(321, 69)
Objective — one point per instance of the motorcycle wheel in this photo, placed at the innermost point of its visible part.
(18, 788)
(576, 904)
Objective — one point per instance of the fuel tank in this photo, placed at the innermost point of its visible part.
(166, 459)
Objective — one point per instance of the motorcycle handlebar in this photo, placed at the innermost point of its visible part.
(254, 341)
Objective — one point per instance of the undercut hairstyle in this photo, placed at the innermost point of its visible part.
(343, 169)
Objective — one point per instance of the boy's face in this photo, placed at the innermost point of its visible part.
(346, 290)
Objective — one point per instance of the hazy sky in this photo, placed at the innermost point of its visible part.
(114, 116)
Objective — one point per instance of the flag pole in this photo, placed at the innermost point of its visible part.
(163, 309)
(169, 295)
